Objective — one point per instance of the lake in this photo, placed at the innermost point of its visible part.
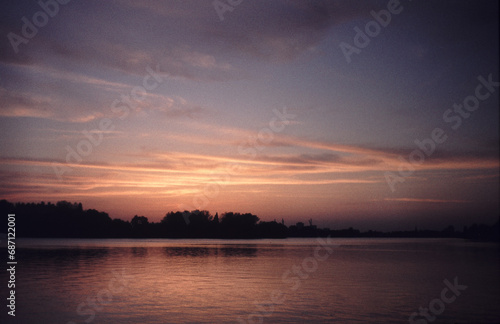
(373, 280)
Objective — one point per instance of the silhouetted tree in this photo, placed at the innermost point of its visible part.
(236, 225)
(175, 224)
(140, 226)
(199, 223)
(121, 229)
(66, 219)
(95, 223)
(139, 221)
(271, 230)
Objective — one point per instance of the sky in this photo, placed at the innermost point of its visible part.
(372, 114)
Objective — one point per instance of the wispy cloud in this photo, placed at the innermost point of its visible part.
(428, 200)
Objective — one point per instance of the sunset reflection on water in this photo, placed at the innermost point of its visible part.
(222, 281)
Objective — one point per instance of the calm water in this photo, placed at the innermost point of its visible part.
(270, 281)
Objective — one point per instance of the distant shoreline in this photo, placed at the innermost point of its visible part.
(70, 220)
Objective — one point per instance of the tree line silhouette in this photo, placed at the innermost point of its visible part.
(70, 220)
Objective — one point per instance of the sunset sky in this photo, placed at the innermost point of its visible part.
(147, 107)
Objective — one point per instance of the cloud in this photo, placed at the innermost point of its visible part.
(282, 30)
(70, 102)
(172, 174)
(177, 34)
(16, 104)
(427, 200)
(125, 45)
(333, 157)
